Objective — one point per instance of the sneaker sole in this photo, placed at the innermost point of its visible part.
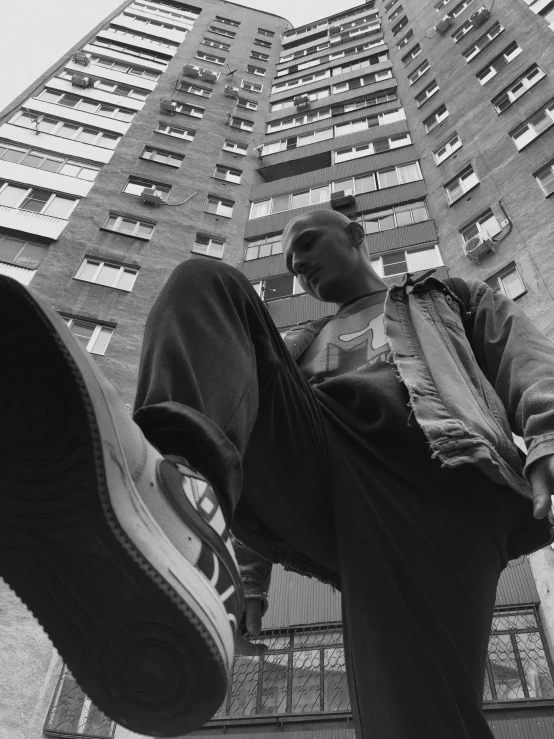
(151, 652)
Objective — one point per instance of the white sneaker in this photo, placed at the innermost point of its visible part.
(122, 555)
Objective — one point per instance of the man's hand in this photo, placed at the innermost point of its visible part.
(542, 485)
(254, 626)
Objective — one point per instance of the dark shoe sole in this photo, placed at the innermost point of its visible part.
(133, 644)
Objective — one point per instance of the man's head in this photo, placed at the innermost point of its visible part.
(327, 253)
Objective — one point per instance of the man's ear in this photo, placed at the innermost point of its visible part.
(356, 233)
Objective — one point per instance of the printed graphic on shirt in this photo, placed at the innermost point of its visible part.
(352, 341)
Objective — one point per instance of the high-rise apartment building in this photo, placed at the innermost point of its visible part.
(197, 130)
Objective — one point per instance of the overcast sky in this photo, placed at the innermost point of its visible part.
(35, 33)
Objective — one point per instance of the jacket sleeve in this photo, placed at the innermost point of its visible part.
(255, 572)
(518, 361)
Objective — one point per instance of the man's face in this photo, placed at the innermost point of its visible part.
(320, 254)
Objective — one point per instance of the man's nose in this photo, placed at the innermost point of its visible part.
(299, 264)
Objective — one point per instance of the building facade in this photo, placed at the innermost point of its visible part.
(198, 130)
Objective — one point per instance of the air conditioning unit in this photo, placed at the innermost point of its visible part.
(80, 80)
(80, 57)
(444, 24)
(151, 196)
(301, 102)
(341, 199)
(191, 70)
(208, 75)
(231, 92)
(168, 106)
(478, 246)
(333, 30)
(480, 16)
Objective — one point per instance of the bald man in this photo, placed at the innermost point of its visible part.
(372, 451)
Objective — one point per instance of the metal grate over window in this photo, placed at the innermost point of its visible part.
(302, 672)
(73, 713)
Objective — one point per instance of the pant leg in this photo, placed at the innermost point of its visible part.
(419, 572)
(218, 386)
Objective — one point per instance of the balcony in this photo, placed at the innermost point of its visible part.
(31, 223)
(294, 166)
(164, 34)
(73, 115)
(55, 144)
(44, 179)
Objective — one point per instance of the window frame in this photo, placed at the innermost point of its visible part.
(211, 58)
(418, 72)
(438, 120)
(212, 242)
(27, 195)
(451, 150)
(547, 112)
(377, 259)
(139, 223)
(510, 268)
(220, 205)
(238, 151)
(491, 65)
(410, 56)
(247, 85)
(99, 262)
(253, 69)
(227, 21)
(99, 328)
(472, 51)
(62, 159)
(29, 264)
(176, 128)
(229, 170)
(427, 93)
(521, 80)
(405, 39)
(222, 32)
(274, 241)
(60, 123)
(461, 183)
(477, 223)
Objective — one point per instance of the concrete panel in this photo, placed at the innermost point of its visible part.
(21, 274)
(31, 223)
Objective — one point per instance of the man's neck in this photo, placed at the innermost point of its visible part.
(365, 284)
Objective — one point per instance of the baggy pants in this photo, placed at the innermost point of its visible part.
(418, 570)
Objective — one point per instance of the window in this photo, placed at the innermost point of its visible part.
(216, 44)
(369, 182)
(259, 55)
(179, 133)
(241, 123)
(296, 141)
(21, 252)
(129, 226)
(135, 186)
(249, 104)
(517, 666)
(57, 127)
(229, 174)
(155, 23)
(545, 178)
(483, 41)
(236, 147)
(405, 39)
(48, 162)
(498, 63)
(94, 338)
(194, 89)
(518, 88)
(440, 5)
(211, 246)
(261, 42)
(362, 124)
(435, 118)
(419, 72)
(71, 711)
(396, 13)
(407, 260)
(508, 281)
(486, 224)
(112, 87)
(171, 158)
(395, 217)
(251, 86)
(219, 206)
(361, 81)
(126, 68)
(281, 86)
(402, 23)
(210, 58)
(316, 95)
(107, 273)
(463, 30)
(265, 32)
(443, 152)
(368, 61)
(266, 247)
(464, 182)
(87, 105)
(299, 120)
(222, 32)
(375, 147)
(227, 21)
(140, 37)
(538, 123)
(192, 110)
(389, 5)
(277, 287)
(459, 9)
(411, 55)
(138, 51)
(426, 93)
(36, 200)
(251, 69)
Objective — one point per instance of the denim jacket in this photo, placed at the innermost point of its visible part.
(467, 399)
